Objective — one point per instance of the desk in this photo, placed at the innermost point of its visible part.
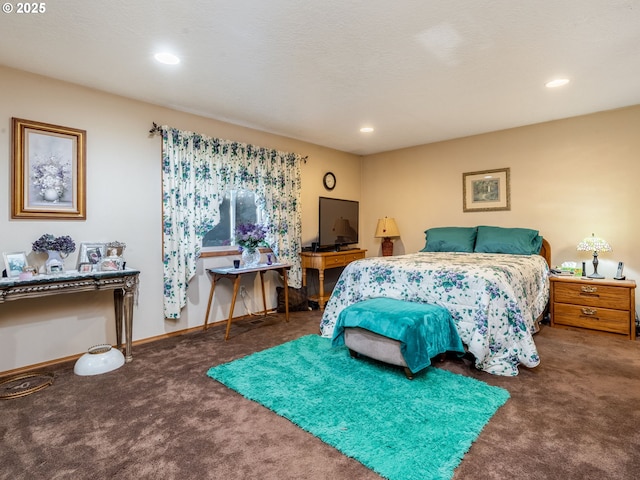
(234, 274)
(322, 261)
(124, 284)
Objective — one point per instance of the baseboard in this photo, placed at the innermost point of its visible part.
(142, 341)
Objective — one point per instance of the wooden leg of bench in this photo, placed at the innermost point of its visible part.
(407, 373)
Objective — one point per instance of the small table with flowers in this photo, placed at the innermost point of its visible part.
(234, 274)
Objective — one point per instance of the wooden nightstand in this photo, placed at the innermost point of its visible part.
(604, 306)
(322, 261)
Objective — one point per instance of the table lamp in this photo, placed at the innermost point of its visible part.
(594, 244)
(386, 229)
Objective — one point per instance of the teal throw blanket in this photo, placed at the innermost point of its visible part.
(423, 330)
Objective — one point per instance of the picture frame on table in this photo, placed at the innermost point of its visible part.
(85, 267)
(91, 253)
(486, 190)
(48, 171)
(116, 248)
(14, 263)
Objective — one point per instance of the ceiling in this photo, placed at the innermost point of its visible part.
(417, 71)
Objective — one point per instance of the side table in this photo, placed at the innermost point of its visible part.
(124, 284)
(322, 261)
(234, 275)
(599, 305)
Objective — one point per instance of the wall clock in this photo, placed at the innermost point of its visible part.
(329, 181)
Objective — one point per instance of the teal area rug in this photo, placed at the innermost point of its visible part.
(401, 429)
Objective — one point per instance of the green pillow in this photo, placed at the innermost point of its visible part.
(450, 239)
(518, 241)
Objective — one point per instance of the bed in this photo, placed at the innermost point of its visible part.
(496, 293)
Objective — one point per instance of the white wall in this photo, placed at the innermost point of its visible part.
(124, 204)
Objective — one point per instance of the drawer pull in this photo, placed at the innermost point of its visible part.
(589, 311)
(589, 289)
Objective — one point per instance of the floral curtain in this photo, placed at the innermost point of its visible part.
(197, 171)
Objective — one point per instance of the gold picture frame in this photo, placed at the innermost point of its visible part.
(486, 190)
(49, 178)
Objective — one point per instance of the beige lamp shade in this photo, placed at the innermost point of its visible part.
(386, 228)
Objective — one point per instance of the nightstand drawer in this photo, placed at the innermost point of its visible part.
(602, 319)
(592, 295)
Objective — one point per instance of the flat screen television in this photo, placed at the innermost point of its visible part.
(338, 222)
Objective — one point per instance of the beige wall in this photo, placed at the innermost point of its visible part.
(123, 203)
(569, 178)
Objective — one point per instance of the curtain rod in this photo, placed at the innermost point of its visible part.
(156, 129)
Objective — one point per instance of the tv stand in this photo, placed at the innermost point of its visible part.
(322, 261)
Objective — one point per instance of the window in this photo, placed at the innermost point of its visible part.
(238, 206)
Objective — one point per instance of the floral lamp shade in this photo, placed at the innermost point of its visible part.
(594, 244)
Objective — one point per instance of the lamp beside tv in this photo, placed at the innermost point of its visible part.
(387, 229)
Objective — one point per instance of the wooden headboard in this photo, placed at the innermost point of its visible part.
(545, 251)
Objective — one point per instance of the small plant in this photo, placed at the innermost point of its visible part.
(64, 244)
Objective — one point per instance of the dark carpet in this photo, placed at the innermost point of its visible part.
(576, 416)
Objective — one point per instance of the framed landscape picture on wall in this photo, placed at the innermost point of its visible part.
(48, 171)
(486, 190)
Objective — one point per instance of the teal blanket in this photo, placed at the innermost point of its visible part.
(423, 330)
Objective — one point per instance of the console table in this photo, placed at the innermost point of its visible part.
(322, 261)
(124, 284)
(234, 275)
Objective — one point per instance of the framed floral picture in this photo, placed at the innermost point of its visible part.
(14, 263)
(486, 190)
(48, 171)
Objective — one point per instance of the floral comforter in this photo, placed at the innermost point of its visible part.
(494, 299)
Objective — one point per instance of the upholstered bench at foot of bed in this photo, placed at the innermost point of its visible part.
(407, 334)
(363, 342)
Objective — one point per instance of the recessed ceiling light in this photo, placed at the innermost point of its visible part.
(167, 58)
(366, 129)
(558, 82)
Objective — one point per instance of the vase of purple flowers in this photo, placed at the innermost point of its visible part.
(251, 236)
(57, 249)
